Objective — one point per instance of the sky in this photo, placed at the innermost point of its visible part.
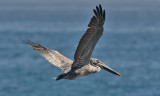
(79, 10)
(112, 4)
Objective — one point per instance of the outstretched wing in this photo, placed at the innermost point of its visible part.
(90, 38)
(52, 56)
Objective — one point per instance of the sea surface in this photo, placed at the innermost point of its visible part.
(130, 45)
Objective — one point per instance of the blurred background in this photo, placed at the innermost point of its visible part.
(130, 45)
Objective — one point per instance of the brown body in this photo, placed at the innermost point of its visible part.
(83, 64)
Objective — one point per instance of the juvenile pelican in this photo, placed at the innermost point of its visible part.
(83, 64)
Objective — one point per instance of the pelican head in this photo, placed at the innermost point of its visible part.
(100, 64)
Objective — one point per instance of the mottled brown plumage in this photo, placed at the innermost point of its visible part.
(83, 64)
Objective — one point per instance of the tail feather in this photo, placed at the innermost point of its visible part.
(61, 76)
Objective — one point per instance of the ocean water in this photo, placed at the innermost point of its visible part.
(129, 45)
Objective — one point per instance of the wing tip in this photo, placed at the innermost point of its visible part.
(33, 44)
(99, 12)
(26, 41)
(99, 15)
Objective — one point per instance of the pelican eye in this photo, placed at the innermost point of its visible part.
(97, 61)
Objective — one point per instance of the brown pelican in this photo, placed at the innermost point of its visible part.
(83, 64)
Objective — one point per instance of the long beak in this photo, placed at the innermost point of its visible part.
(105, 67)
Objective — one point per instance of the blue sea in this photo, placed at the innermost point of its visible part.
(130, 45)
